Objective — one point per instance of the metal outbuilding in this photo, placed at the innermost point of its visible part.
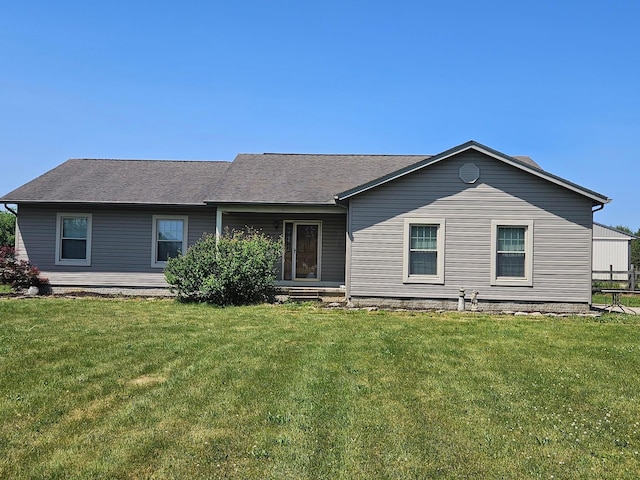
(611, 252)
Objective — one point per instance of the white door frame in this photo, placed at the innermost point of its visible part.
(294, 243)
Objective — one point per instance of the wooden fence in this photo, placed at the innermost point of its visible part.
(631, 278)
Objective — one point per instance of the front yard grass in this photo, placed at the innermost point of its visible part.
(628, 300)
(93, 388)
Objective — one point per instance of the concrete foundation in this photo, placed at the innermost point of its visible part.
(482, 306)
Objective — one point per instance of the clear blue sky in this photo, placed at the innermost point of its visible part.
(556, 80)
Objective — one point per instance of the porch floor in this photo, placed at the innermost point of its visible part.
(154, 284)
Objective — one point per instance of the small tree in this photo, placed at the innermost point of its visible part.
(19, 274)
(7, 229)
(237, 269)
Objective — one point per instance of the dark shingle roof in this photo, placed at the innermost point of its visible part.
(528, 160)
(269, 178)
(297, 178)
(123, 181)
(283, 178)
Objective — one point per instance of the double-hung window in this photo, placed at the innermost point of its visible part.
(423, 250)
(512, 253)
(73, 239)
(169, 238)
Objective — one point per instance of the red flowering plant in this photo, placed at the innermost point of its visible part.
(19, 274)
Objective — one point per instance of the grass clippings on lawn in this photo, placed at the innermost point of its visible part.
(94, 388)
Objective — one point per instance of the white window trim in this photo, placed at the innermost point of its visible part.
(83, 262)
(527, 280)
(154, 236)
(434, 279)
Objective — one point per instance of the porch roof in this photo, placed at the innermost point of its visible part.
(283, 178)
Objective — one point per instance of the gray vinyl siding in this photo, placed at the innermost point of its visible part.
(121, 239)
(333, 235)
(561, 237)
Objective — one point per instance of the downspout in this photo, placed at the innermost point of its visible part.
(598, 208)
(347, 262)
(347, 253)
(9, 209)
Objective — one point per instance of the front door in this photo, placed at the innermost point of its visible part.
(302, 251)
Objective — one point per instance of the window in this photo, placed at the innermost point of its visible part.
(423, 250)
(73, 239)
(512, 253)
(169, 238)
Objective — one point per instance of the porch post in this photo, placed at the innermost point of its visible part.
(218, 223)
(347, 259)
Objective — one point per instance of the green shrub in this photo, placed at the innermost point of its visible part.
(237, 269)
(7, 229)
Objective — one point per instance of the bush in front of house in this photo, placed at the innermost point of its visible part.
(236, 269)
(19, 274)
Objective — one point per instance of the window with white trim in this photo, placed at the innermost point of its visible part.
(73, 239)
(512, 253)
(169, 238)
(423, 250)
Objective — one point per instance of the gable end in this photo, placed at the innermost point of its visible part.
(596, 198)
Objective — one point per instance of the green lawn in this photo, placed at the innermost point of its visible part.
(94, 388)
(627, 300)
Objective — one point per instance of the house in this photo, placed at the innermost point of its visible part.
(391, 230)
(611, 253)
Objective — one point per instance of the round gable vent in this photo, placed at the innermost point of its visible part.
(469, 173)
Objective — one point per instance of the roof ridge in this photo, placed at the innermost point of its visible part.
(144, 160)
(344, 154)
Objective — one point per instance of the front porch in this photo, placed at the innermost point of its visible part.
(145, 284)
(320, 291)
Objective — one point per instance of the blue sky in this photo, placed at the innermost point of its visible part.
(556, 80)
